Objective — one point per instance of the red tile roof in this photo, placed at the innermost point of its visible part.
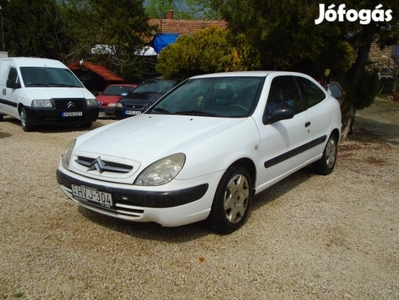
(105, 73)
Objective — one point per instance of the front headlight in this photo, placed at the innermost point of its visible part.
(162, 171)
(119, 105)
(66, 156)
(91, 102)
(111, 104)
(42, 103)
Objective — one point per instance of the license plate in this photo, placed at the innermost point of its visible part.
(132, 112)
(89, 194)
(72, 114)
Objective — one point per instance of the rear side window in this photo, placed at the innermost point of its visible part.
(312, 93)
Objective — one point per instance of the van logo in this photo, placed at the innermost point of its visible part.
(70, 104)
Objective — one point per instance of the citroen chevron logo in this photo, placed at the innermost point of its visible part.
(70, 104)
(97, 164)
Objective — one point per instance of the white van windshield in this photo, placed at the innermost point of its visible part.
(48, 77)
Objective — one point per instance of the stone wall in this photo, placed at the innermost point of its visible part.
(381, 58)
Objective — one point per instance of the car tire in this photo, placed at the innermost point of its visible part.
(25, 122)
(232, 201)
(1, 117)
(325, 165)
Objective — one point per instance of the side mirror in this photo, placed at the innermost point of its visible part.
(278, 114)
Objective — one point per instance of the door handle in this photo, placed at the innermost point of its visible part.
(307, 124)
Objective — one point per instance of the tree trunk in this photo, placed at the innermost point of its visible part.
(354, 76)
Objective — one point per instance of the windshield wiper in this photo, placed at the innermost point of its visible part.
(36, 84)
(61, 84)
(195, 113)
(160, 110)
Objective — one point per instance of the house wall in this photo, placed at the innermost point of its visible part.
(381, 58)
(171, 25)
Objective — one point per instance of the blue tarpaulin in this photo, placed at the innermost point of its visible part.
(161, 40)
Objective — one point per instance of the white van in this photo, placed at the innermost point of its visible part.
(44, 91)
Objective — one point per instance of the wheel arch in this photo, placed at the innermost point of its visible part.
(336, 132)
(20, 106)
(249, 165)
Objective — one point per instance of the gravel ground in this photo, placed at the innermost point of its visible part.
(308, 237)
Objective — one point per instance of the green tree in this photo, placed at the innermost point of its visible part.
(182, 9)
(206, 51)
(33, 28)
(284, 32)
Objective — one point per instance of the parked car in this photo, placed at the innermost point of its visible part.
(142, 97)
(40, 91)
(336, 91)
(350, 113)
(112, 93)
(204, 149)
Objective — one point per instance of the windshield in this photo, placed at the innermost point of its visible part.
(117, 90)
(48, 77)
(154, 86)
(218, 97)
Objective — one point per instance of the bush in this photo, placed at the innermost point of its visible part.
(207, 51)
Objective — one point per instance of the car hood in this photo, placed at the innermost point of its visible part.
(140, 98)
(146, 138)
(59, 92)
(108, 98)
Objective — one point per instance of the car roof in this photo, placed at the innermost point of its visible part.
(248, 74)
(35, 62)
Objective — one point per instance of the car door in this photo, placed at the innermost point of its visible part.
(318, 107)
(9, 99)
(4, 67)
(284, 144)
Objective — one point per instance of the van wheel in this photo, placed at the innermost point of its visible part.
(325, 165)
(232, 201)
(25, 123)
(1, 117)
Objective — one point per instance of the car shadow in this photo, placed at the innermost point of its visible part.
(151, 231)
(55, 128)
(4, 135)
(282, 187)
(194, 231)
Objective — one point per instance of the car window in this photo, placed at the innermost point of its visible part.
(117, 90)
(12, 79)
(335, 90)
(284, 92)
(312, 93)
(219, 97)
(154, 86)
(48, 77)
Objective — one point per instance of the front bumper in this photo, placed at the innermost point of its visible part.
(57, 116)
(168, 208)
(123, 113)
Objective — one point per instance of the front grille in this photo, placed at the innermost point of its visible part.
(102, 165)
(68, 103)
(136, 107)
